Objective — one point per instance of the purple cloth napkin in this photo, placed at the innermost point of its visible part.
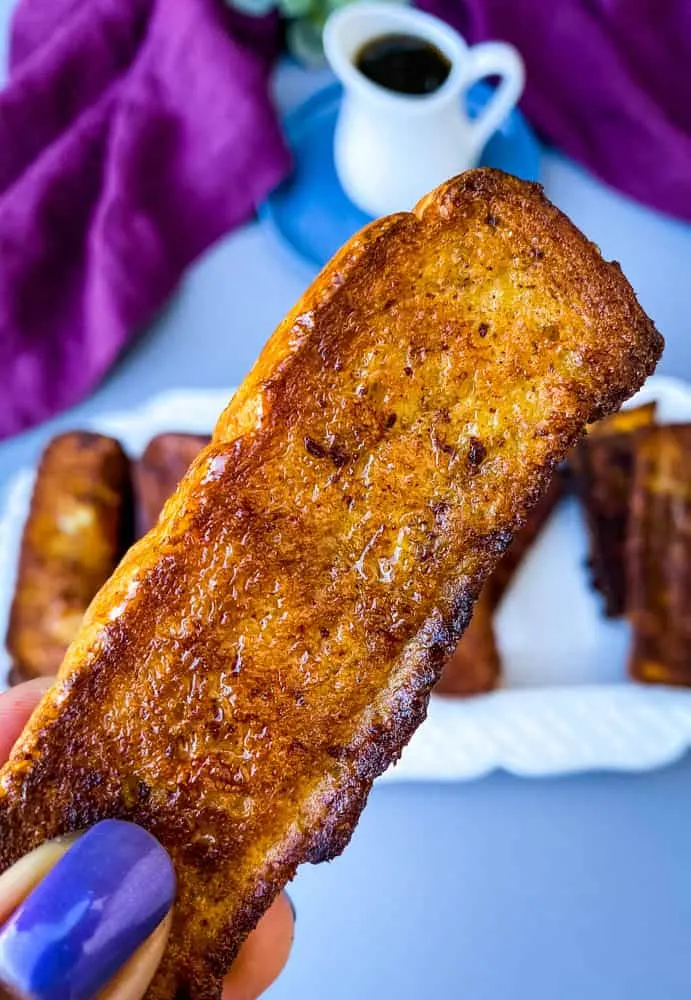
(608, 83)
(133, 133)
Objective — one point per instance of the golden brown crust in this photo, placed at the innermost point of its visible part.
(79, 525)
(634, 418)
(156, 474)
(603, 468)
(659, 557)
(269, 647)
(474, 666)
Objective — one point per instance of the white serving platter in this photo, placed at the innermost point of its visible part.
(566, 704)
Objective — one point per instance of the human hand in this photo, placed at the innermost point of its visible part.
(89, 915)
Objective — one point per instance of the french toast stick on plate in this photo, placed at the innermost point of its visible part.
(603, 465)
(164, 462)
(474, 666)
(80, 523)
(658, 547)
(269, 647)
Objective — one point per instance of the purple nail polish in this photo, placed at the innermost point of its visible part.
(88, 915)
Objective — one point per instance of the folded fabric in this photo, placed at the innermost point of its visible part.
(133, 133)
(608, 83)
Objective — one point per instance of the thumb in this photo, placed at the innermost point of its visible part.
(86, 916)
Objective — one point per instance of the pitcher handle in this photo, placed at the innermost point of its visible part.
(495, 59)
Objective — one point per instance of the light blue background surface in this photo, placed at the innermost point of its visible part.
(502, 888)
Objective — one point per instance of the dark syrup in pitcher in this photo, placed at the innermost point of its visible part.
(403, 63)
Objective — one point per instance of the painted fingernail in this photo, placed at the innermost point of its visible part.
(88, 915)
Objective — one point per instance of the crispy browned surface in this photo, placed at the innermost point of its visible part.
(659, 557)
(625, 421)
(523, 540)
(78, 527)
(157, 473)
(474, 665)
(602, 464)
(269, 647)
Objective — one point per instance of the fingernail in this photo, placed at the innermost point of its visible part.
(291, 904)
(88, 915)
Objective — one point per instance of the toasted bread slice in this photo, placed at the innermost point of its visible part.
(269, 647)
(79, 525)
(659, 557)
(603, 468)
(474, 666)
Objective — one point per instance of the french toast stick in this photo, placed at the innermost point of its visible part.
(79, 525)
(164, 462)
(659, 557)
(474, 666)
(603, 472)
(268, 648)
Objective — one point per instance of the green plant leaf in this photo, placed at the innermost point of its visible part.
(257, 8)
(304, 40)
(295, 8)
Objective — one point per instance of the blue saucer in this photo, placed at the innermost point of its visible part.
(309, 211)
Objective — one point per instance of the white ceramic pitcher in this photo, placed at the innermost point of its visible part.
(392, 148)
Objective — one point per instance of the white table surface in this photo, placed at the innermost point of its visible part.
(502, 888)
